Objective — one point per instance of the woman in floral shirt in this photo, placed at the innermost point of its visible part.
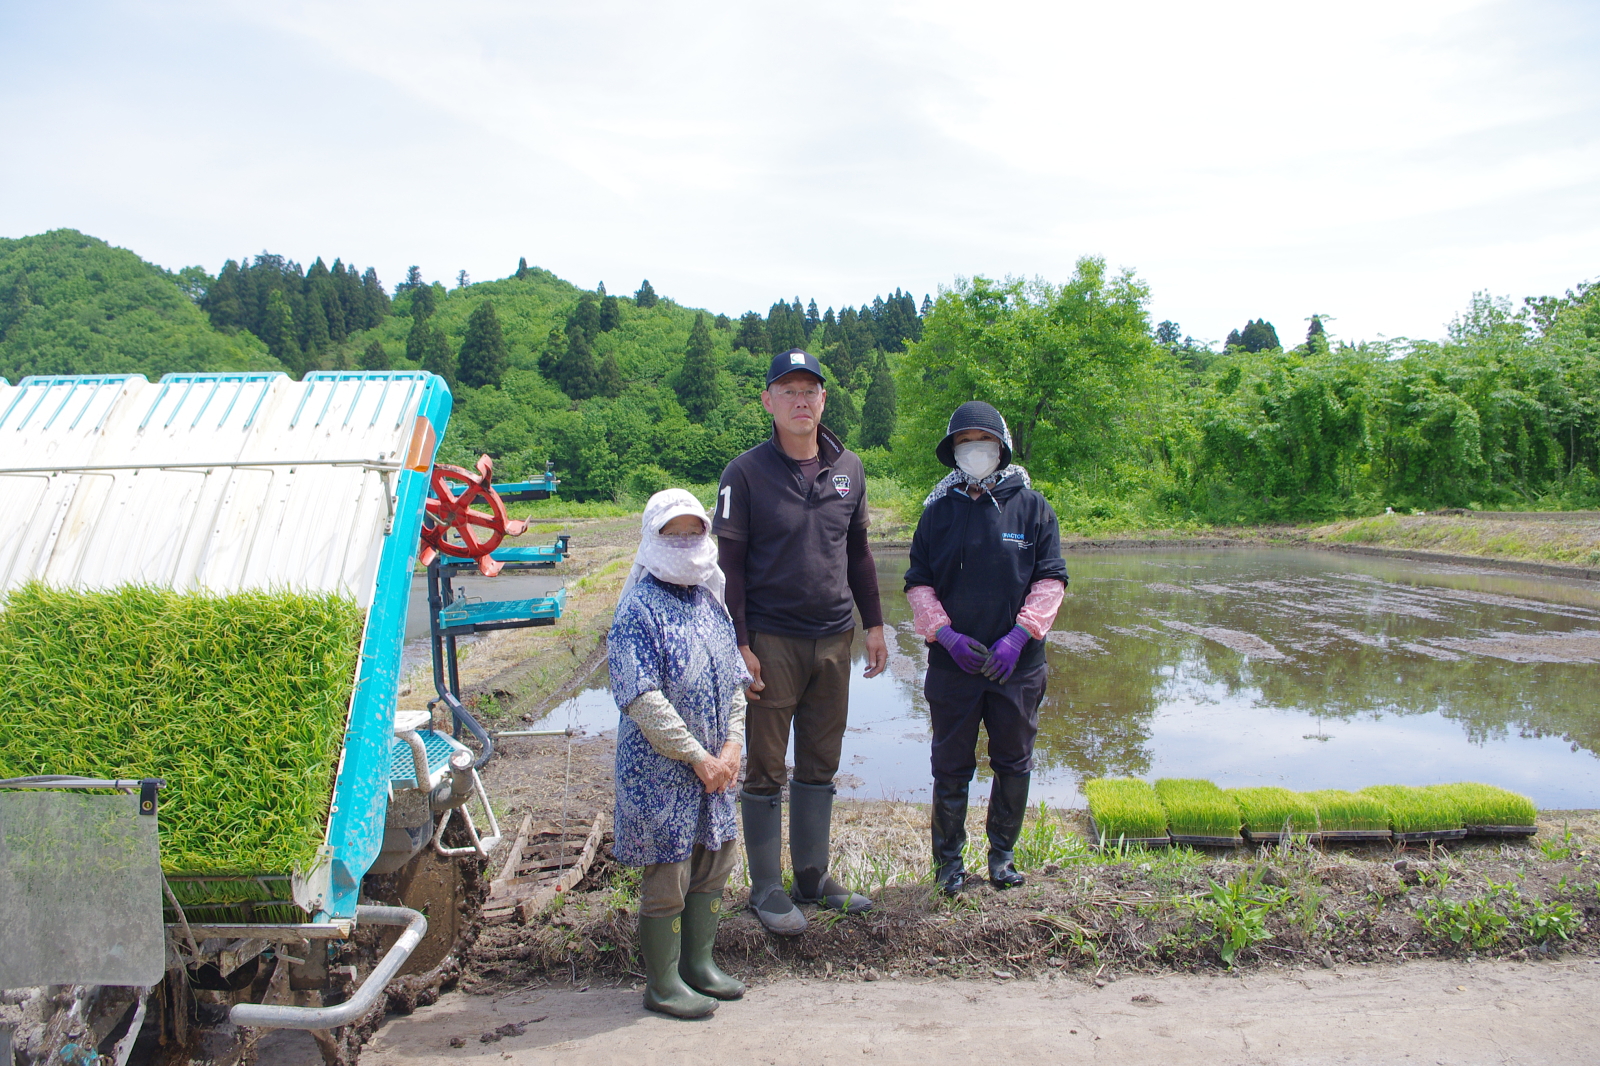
(678, 679)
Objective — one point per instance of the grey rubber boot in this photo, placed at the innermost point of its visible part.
(763, 849)
(810, 822)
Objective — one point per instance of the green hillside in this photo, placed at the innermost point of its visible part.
(73, 304)
(1122, 422)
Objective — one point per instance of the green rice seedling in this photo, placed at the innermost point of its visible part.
(239, 701)
(1274, 810)
(1198, 808)
(1487, 804)
(1339, 811)
(1416, 810)
(1125, 808)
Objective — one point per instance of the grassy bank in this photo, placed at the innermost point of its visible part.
(1118, 910)
(1522, 539)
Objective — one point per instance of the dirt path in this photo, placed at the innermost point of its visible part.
(1433, 1012)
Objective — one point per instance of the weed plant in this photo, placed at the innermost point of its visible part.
(239, 701)
(1487, 804)
(1416, 810)
(1339, 811)
(1125, 808)
(1274, 810)
(1196, 807)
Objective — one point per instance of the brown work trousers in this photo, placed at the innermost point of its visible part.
(664, 884)
(807, 689)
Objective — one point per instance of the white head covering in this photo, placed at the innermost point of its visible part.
(676, 560)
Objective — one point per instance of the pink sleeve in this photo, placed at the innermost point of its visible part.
(927, 614)
(1038, 612)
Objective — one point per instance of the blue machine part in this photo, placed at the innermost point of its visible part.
(403, 766)
(360, 794)
(527, 554)
(466, 616)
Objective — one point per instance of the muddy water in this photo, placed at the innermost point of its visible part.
(1304, 669)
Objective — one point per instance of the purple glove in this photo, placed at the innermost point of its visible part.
(968, 653)
(1003, 658)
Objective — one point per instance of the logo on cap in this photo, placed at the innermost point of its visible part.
(797, 359)
(842, 483)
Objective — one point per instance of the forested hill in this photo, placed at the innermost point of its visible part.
(1121, 422)
(72, 304)
(624, 393)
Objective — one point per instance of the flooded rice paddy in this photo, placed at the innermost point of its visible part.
(1297, 668)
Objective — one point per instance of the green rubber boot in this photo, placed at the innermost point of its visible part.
(701, 911)
(660, 941)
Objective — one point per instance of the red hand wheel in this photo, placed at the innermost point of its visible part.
(447, 510)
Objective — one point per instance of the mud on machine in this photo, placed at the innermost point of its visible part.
(225, 484)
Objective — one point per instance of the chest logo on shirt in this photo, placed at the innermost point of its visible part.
(842, 483)
(1016, 540)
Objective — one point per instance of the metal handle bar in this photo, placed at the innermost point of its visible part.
(283, 1016)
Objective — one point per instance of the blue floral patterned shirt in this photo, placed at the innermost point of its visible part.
(679, 641)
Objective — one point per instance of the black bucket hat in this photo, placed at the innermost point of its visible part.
(975, 414)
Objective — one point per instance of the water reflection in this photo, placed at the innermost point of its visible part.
(1274, 667)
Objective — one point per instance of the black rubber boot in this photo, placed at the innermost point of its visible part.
(1008, 805)
(763, 849)
(701, 911)
(810, 824)
(949, 834)
(660, 942)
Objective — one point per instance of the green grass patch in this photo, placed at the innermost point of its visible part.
(1196, 807)
(1416, 810)
(1125, 808)
(238, 701)
(1274, 810)
(1488, 804)
(1339, 811)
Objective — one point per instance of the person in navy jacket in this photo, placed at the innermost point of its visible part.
(985, 582)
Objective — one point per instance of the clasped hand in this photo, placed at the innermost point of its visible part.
(719, 772)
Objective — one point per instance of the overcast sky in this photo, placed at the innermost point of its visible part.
(1377, 162)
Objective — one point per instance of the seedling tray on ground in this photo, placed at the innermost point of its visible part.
(1429, 835)
(1278, 838)
(1206, 842)
(1354, 836)
(1501, 830)
(1149, 842)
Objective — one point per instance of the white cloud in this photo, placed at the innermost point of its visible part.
(1374, 161)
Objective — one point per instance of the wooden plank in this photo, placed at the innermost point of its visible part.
(516, 852)
(530, 908)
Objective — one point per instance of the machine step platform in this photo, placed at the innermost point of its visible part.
(402, 765)
(462, 618)
(525, 556)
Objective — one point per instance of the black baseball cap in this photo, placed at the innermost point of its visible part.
(790, 361)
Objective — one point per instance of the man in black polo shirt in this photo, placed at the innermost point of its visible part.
(791, 526)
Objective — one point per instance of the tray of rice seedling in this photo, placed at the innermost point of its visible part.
(1490, 811)
(1349, 817)
(1418, 815)
(1125, 810)
(1199, 813)
(208, 583)
(1271, 815)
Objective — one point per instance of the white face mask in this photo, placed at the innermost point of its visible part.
(978, 458)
